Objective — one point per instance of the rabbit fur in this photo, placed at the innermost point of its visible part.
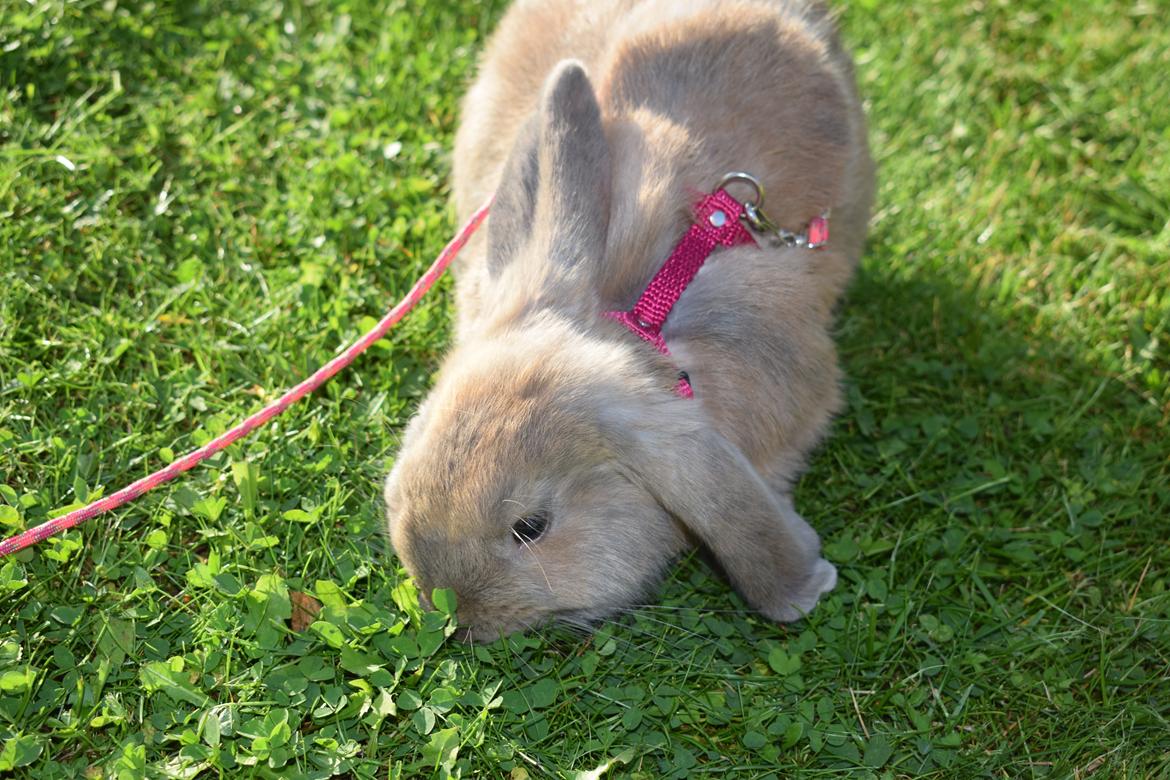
(546, 408)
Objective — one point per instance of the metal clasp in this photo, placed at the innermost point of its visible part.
(757, 220)
(753, 212)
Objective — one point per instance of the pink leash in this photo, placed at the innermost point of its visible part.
(320, 377)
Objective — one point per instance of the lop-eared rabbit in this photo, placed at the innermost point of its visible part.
(555, 470)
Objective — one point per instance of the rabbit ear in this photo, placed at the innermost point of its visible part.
(514, 206)
(770, 554)
(552, 204)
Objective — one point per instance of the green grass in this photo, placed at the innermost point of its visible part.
(200, 202)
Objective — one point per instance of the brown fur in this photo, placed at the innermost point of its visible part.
(545, 405)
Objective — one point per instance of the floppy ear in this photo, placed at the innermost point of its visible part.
(770, 554)
(551, 208)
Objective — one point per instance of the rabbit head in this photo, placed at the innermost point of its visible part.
(553, 472)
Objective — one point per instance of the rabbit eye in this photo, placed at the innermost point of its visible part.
(530, 528)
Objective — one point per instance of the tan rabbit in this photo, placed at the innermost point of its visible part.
(555, 471)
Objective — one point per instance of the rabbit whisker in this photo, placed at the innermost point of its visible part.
(536, 558)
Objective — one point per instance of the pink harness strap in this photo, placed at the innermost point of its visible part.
(717, 223)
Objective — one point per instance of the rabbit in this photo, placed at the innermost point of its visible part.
(553, 472)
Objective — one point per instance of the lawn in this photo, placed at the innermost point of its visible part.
(201, 202)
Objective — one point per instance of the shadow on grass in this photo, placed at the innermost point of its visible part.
(988, 496)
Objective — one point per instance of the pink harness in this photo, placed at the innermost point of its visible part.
(717, 223)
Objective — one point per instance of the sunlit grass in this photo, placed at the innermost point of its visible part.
(200, 203)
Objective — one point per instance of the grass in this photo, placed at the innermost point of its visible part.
(200, 202)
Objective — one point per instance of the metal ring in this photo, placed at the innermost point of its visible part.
(746, 178)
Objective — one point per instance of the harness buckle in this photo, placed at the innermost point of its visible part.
(753, 214)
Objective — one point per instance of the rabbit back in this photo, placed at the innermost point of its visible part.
(689, 91)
